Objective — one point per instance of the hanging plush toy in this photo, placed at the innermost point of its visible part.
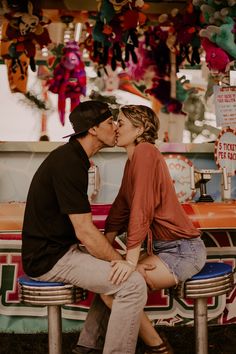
(21, 33)
(69, 79)
(216, 58)
(115, 32)
(222, 36)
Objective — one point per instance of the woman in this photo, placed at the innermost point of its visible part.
(148, 209)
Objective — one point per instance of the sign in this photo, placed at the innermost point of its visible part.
(225, 150)
(225, 105)
(179, 168)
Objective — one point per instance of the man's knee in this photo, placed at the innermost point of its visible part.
(139, 286)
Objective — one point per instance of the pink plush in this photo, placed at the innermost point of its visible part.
(69, 79)
(216, 58)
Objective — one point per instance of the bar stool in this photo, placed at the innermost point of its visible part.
(213, 280)
(53, 295)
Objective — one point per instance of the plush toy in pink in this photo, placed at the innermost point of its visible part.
(216, 58)
(69, 79)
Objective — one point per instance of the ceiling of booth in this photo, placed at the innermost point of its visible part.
(59, 7)
(54, 9)
(91, 5)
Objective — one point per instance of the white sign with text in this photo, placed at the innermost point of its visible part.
(225, 150)
(225, 105)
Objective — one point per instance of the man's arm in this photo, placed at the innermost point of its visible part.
(111, 236)
(94, 241)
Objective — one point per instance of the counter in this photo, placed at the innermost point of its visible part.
(217, 222)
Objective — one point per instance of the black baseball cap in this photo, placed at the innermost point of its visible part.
(88, 114)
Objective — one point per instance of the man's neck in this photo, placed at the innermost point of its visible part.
(90, 145)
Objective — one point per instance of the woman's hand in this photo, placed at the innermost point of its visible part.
(143, 268)
(121, 270)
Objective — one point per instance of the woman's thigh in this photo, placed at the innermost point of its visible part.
(160, 277)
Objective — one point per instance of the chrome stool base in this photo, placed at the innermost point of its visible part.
(213, 280)
(53, 295)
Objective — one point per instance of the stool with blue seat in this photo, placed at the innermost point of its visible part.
(53, 295)
(216, 278)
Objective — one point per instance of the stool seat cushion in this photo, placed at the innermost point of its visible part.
(212, 270)
(25, 280)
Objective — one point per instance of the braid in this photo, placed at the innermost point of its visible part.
(145, 117)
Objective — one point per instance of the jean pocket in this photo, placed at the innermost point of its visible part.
(165, 246)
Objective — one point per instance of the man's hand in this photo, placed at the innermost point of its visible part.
(121, 271)
(143, 269)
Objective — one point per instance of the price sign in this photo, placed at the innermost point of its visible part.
(225, 150)
(225, 105)
(179, 168)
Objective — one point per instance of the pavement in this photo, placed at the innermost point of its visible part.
(221, 340)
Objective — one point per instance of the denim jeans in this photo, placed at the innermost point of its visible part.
(129, 298)
(183, 257)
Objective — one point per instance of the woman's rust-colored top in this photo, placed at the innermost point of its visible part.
(146, 204)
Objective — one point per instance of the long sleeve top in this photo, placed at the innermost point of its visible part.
(147, 203)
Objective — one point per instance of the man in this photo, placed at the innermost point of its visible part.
(58, 217)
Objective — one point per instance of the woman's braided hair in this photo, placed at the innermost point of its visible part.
(143, 116)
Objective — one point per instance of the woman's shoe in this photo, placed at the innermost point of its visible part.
(163, 348)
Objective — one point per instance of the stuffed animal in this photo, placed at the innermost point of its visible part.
(20, 34)
(195, 110)
(115, 32)
(223, 36)
(24, 31)
(69, 79)
(216, 58)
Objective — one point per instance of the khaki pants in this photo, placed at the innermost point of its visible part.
(85, 271)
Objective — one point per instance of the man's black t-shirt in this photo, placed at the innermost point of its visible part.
(58, 188)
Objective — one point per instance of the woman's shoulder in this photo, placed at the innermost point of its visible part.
(147, 148)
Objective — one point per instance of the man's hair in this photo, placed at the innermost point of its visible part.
(92, 108)
(87, 115)
(143, 116)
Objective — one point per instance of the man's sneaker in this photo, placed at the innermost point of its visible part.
(83, 350)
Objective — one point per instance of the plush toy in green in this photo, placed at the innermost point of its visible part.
(223, 36)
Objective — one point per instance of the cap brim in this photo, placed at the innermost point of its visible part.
(107, 114)
(68, 136)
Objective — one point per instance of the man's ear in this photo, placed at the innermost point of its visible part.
(93, 131)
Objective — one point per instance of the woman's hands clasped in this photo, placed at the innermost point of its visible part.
(121, 270)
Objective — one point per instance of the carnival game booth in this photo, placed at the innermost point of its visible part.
(217, 222)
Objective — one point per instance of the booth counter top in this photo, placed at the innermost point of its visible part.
(45, 146)
(205, 216)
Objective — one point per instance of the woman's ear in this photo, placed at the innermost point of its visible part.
(140, 131)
